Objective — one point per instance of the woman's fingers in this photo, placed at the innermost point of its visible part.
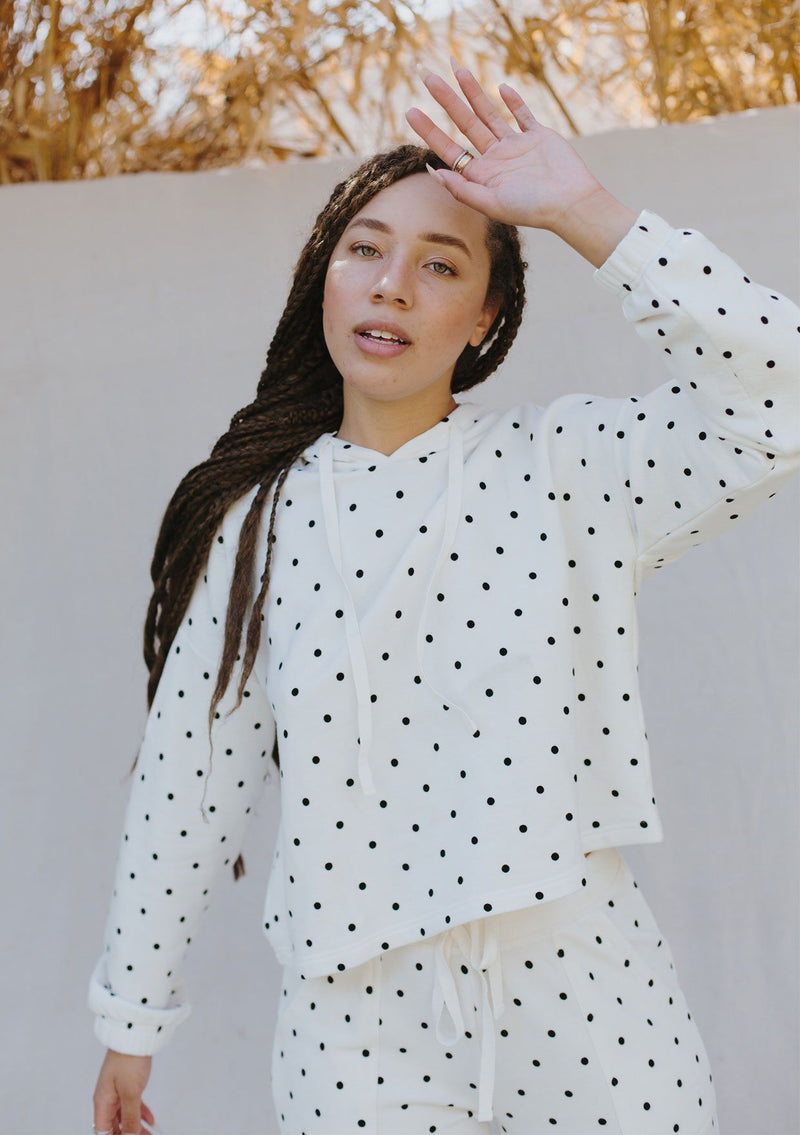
(481, 122)
(106, 1110)
(483, 106)
(434, 138)
(131, 1103)
(518, 107)
(465, 119)
(468, 192)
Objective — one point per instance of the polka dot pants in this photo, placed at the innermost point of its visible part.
(566, 1017)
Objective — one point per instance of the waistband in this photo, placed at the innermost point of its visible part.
(478, 943)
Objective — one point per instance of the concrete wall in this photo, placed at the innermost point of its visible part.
(135, 314)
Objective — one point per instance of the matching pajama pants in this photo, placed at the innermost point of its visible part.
(565, 1017)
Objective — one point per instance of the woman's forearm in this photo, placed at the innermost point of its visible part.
(595, 225)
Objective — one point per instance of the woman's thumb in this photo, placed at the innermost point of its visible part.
(468, 192)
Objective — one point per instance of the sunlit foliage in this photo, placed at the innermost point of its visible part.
(93, 88)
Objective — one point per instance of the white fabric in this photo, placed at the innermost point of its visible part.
(484, 958)
(583, 1027)
(355, 642)
(533, 528)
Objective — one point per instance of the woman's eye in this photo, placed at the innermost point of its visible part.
(368, 252)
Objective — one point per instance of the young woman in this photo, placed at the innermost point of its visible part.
(426, 610)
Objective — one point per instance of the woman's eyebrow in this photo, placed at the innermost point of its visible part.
(430, 238)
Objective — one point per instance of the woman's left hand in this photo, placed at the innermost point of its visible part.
(531, 176)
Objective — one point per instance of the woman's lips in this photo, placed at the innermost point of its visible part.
(383, 348)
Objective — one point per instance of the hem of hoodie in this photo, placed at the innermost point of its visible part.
(139, 1040)
(591, 840)
(622, 837)
(355, 953)
(647, 235)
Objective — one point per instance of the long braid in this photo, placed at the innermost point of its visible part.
(299, 396)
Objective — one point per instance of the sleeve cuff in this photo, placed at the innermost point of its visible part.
(126, 1026)
(647, 235)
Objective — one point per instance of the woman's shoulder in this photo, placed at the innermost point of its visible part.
(572, 406)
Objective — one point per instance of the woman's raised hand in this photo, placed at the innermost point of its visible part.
(528, 176)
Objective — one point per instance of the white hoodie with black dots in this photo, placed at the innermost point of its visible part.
(449, 654)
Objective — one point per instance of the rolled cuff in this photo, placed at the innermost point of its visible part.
(135, 1029)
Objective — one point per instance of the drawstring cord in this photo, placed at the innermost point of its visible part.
(476, 941)
(355, 642)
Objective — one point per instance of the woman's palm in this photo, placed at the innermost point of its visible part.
(505, 169)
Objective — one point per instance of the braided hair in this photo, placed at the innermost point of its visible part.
(298, 398)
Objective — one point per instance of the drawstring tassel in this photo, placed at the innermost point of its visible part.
(355, 644)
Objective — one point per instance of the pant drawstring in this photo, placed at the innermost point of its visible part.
(476, 941)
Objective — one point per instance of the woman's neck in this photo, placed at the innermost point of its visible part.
(385, 426)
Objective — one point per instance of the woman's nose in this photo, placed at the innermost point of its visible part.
(394, 284)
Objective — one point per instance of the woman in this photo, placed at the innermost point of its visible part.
(449, 664)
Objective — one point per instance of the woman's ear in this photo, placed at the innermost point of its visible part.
(485, 321)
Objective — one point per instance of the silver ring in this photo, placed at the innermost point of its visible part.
(96, 1132)
(463, 158)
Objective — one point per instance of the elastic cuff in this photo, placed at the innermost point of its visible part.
(128, 1026)
(134, 1040)
(647, 235)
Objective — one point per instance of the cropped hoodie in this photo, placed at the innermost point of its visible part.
(450, 650)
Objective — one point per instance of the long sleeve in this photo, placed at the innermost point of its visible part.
(171, 858)
(701, 452)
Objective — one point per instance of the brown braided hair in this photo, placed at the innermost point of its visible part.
(299, 397)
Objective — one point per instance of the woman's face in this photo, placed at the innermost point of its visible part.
(405, 290)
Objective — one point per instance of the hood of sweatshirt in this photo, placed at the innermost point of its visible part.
(452, 438)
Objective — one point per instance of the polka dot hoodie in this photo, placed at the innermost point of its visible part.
(450, 650)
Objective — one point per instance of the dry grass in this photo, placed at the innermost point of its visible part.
(680, 60)
(95, 88)
(90, 89)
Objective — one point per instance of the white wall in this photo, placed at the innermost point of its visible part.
(135, 314)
